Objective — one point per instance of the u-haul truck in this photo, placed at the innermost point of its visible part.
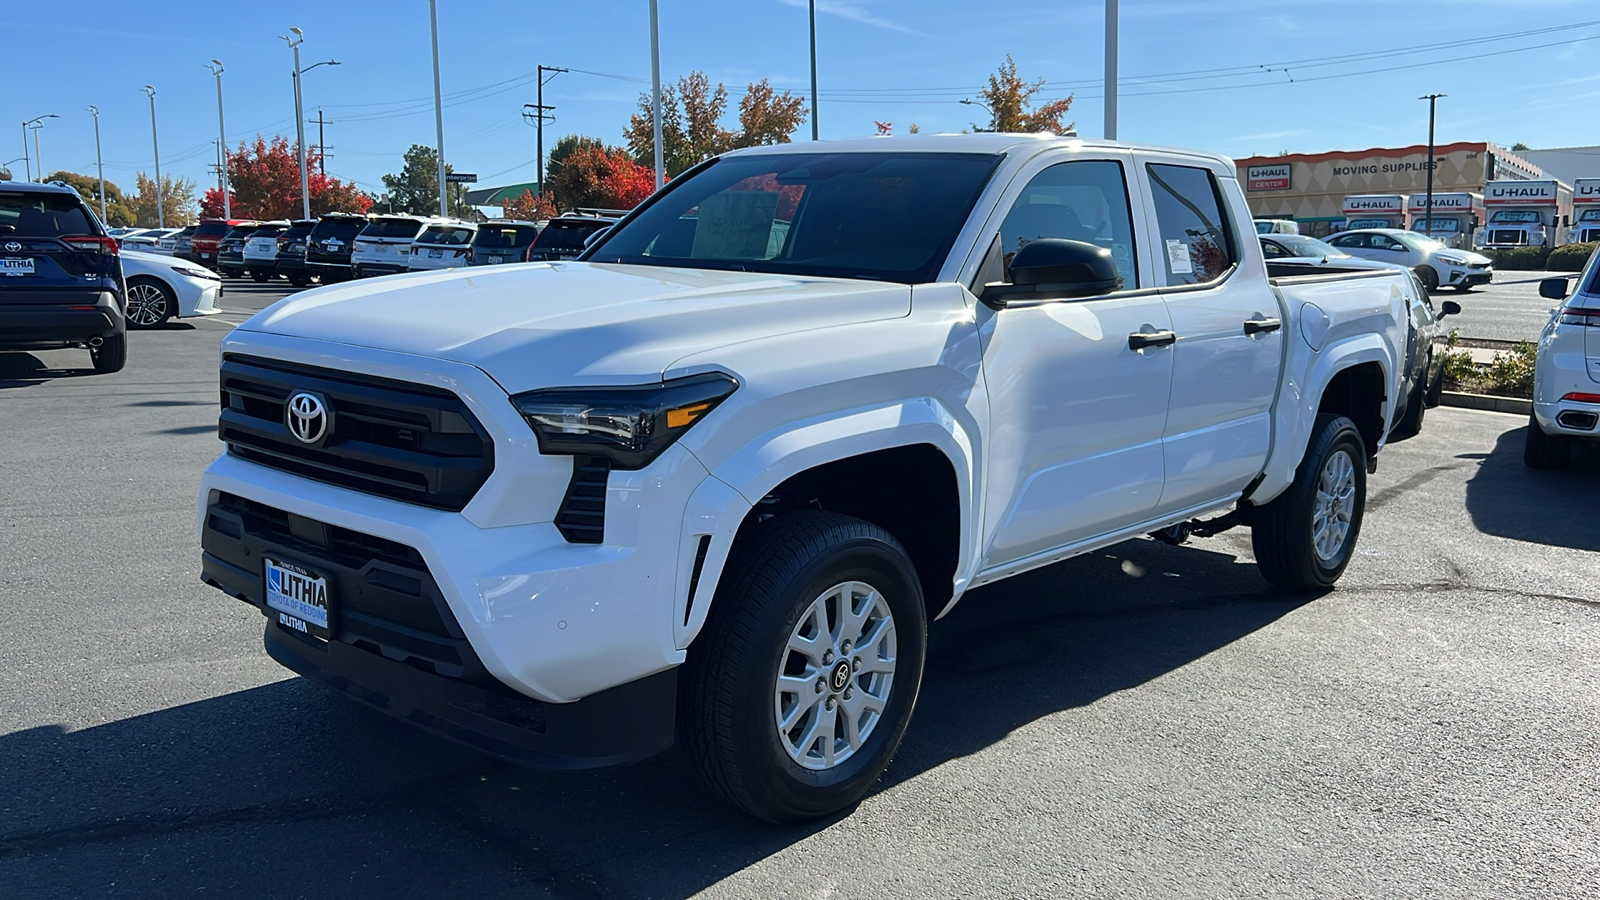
(1375, 211)
(1585, 211)
(1455, 214)
(1524, 214)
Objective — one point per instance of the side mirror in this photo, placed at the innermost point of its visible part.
(1056, 267)
(1449, 308)
(1553, 289)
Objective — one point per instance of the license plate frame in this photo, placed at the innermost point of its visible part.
(436, 254)
(17, 266)
(298, 597)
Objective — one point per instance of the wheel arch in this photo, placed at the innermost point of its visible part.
(906, 468)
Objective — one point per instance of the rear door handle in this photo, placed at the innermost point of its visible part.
(1262, 326)
(1142, 339)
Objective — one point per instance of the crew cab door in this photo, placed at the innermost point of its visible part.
(1076, 412)
(1228, 355)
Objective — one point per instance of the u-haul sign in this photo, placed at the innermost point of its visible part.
(1446, 202)
(1586, 190)
(1267, 178)
(1374, 203)
(1520, 193)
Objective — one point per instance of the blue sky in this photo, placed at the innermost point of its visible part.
(1211, 73)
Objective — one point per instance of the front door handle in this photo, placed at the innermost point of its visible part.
(1142, 339)
(1262, 326)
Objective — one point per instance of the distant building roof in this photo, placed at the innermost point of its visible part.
(1566, 163)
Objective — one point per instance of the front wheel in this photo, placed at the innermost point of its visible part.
(1303, 538)
(799, 689)
(1430, 278)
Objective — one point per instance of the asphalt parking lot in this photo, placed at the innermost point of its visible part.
(1147, 721)
(1507, 309)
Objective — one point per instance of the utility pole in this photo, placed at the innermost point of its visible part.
(655, 78)
(438, 105)
(155, 143)
(222, 145)
(1111, 70)
(1433, 100)
(813, 69)
(322, 145)
(99, 166)
(541, 110)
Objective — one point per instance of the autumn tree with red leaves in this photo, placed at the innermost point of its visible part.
(265, 179)
(1010, 102)
(530, 208)
(593, 177)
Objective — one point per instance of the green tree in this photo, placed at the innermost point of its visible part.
(415, 188)
(177, 201)
(691, 122)
(88, 187)
(1519, 146)
(1010, 103)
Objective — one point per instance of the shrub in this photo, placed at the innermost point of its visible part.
(1526, 259)
(1511, 373)
(1570, 257)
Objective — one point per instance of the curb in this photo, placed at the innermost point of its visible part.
(1487, 403)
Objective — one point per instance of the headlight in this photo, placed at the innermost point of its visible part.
(196, 273)
(1451, 260)
(630, 425)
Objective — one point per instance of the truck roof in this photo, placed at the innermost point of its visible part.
(984, 142)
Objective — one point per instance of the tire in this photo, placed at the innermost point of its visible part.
(258, 276)
(1463, 288)
(110, 356)
(1410, 424)
(300, 281)
(150, 303)
(1545, 451)
(1430, 278)
(1435, 390)
(1282, 531)
(781, 581)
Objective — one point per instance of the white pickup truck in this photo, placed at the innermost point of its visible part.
(711, 482)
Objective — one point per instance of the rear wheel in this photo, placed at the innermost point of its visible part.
(259, 277)
(1430, 278)
(299, 280)
(1545, 451)
(1304, 537)
(799, 689)
(150, 303)
(111, 355)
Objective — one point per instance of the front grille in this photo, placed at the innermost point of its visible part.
(384, 598)
(404, 441)
(1589, 236)
(1506, 237)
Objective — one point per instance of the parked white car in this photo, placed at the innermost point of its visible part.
(1308, 251)
(384, 246)
(261, 250)
(147, 240)
(443, 245)
(162, 288)
(707, 486)
(1566, 375)
(1436, 264)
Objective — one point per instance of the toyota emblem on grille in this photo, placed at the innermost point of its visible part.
(13, 246)
(307, 417)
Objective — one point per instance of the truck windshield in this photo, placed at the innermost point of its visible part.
(1515, 217)
(1590, 215)
(879, 216)
(1437, 226)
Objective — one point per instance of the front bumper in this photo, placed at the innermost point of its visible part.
(1465, 277)
(25, 322)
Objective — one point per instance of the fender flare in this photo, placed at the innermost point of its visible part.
(1297, 411)
(719, 506)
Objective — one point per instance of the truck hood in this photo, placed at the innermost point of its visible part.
(542, 324)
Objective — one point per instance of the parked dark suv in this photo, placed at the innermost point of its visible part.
(230, 250)
(292, 252)
(60, 276)
(329, 244)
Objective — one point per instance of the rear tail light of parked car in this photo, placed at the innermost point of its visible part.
(1579, 397)
(90, 244)
(1580, 316)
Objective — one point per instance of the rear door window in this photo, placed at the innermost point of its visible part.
(1196, 242)
(29, 214)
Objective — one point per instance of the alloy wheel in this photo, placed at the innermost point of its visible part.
(834, 675)
(1335, 505)
(147, 305)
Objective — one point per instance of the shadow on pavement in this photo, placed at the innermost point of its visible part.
(289, 790)
(1507, 499)
(21, 369)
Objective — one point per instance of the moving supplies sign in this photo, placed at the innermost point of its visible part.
(1267, 178)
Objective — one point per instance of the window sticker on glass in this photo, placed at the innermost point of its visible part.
(735, 225)
(1178, 258)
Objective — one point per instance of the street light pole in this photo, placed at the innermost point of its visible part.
(655, 78)
(813, 69)
(438, 104)
(300, 122)
(26, 168)
(99, 166)
(155, 143)
(1111, 70)
(222, 145)
(37, 156)
(1433, 100)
